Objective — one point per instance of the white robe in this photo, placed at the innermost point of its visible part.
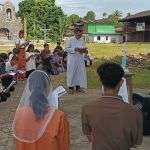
(76, 71)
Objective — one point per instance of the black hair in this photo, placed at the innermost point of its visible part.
(29, 47)
(4, 56)
(15, 51)
(1, 60)
(110, 74)
(40, 105)
(45, 45)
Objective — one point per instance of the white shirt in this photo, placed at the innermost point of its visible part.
(10, 57)
(20, 41)
(9, 67)
(30, 65)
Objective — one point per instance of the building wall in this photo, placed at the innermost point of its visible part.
(9, 20)
(106, 38)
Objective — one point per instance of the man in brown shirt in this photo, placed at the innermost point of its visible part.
(108, 122)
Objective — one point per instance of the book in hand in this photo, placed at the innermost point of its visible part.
(21, 71)
(56, 94)
(12, 73)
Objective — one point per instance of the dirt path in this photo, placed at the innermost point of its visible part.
(70, 104)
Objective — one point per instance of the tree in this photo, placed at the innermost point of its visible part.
(41, 14)
(72, 19)
(117, 14)
(104, 15)
(90, 16)
(128, 14)
(63, 26)
(115, 17)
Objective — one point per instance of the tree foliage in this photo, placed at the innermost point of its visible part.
(42, 14)
(72, 19)
(90, 16)
(115, 17)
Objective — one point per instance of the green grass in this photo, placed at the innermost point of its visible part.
(113, 50)
(141, 77)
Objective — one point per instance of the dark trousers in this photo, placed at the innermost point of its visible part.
(77, 88)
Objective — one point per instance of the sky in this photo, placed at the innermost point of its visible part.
(80, 7)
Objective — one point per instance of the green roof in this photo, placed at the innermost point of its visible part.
(101, 28)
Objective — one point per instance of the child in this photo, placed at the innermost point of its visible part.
(30, 60)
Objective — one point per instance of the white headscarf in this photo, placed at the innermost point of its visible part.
(34, 111)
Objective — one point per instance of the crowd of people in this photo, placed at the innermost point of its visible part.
(24, 59)
(109, 122)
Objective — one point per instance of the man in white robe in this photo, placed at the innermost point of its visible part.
(76, 71)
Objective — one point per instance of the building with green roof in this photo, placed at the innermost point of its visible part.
(102, 31)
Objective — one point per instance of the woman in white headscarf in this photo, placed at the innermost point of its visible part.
(37, 125)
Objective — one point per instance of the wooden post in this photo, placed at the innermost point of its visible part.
(128, 77)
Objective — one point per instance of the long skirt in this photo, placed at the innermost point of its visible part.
(21, 65)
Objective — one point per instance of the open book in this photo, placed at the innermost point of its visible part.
(54, 97)
(12, 73)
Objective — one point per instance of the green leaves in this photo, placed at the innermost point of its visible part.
(90, 16)
(41, 14)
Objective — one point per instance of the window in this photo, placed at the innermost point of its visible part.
(106, 38)
(98, 38)
(9, 14)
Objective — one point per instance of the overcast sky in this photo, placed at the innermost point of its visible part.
(81, 7)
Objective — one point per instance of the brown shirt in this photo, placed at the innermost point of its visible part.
(113, 124)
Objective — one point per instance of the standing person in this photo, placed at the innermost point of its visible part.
(109, 122)
(37, 125)
(76, 71)
(30, 60)
(21, 44)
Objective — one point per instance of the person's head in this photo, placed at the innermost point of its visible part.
(58, 43)
(1, 61)
(57, 49)
(15, 51)
(37, 51)
(78, 32)
(111, 75)
(4, 56)
(46, 65)
(39, 87)
(46, 46)
(21, 33)
(30, 48)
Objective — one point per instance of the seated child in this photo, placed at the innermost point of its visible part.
(87, 60)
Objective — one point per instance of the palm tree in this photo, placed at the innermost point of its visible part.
(117, 14)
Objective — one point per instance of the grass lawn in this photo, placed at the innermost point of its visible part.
(113, 50)
(141, 77)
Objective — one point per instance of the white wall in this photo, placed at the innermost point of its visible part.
(110, 38)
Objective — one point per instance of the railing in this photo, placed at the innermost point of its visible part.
(129, 29)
